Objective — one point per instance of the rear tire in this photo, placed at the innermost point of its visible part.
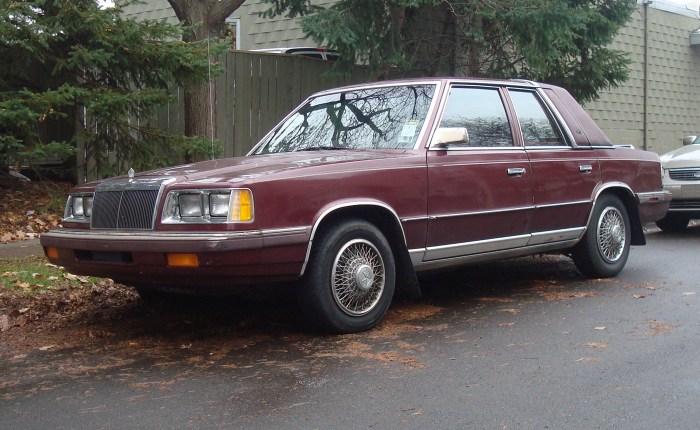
(673, 223)
(603, 251)
(349, 280)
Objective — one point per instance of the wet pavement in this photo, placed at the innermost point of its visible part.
(527, 343)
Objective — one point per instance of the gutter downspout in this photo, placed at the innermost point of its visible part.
(645, 132)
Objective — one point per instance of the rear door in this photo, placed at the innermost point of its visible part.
(564, 177)
(480, 191)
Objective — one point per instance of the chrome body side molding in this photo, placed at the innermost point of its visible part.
(514, 246)
(457, 249)
(490, 256)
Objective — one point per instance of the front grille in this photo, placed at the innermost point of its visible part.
(127, 205)
(685, 174)
(124, 209)
(688, 205)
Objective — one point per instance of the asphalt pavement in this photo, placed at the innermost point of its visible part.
(520, 344)
(24, 248)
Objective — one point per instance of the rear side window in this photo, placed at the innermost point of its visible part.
(538, 127)
(482, 113)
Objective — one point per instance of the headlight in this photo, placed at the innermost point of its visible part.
(190, 205)
(208, 206)
(78, 208)
(219, 204)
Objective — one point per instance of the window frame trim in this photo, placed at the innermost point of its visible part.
(552, 115)
(426, 131)
(507, 107)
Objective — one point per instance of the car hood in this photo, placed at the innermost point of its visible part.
(252, 168)
(685, 157)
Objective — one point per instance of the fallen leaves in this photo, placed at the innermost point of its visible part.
(495, 299)
(40, 295)
(658, 328)
(26, 210)
(553, 292)
(595, 345)
(34, 275)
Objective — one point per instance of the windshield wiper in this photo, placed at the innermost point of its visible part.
(320, 148)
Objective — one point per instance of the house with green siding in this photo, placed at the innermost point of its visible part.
(653, 110)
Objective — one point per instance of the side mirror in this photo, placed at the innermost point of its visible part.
(445, 136)
(689, 140)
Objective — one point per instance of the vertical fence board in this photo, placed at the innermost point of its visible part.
(255, 91)
(242, 95)
(267, 97)
(228, 106)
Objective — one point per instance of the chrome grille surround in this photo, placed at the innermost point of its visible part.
(127, 204)
(692, 174)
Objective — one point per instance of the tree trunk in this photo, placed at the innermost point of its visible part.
(200, 102)
(200, 111)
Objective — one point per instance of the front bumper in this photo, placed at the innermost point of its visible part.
(144, 258)
(685, 197)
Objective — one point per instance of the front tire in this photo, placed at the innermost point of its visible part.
(349, 280)
(604, 249)
(673, 223)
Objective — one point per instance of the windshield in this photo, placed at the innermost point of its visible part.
(366, 119)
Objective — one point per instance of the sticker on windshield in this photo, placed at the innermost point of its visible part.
(408, 131)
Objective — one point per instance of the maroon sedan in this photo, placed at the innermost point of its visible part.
(361, 187)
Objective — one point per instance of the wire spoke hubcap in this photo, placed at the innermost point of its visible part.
(611, 234)
(357, 279)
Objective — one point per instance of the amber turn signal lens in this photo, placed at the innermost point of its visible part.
(183, 260)
(242, 206)
(52, 252)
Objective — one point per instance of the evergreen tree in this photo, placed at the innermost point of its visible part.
(557, 41)
(73, 72)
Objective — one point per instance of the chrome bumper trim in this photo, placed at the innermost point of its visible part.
(148, 236)
(654, 197)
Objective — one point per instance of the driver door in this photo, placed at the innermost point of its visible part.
(480, 196)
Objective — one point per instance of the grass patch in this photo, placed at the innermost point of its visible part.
(35, 274)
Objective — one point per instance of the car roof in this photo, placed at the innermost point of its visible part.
(439, 80)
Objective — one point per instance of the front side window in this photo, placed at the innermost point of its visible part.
(538, 128)
(365, 119)
(482, 113)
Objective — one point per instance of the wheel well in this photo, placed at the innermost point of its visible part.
(388, 224)
(630, 203)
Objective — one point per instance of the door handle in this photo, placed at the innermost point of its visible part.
(516, 171)
(585, 168)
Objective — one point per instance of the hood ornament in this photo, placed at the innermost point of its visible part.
(131, 173)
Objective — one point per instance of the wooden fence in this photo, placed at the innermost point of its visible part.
(255, 91)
